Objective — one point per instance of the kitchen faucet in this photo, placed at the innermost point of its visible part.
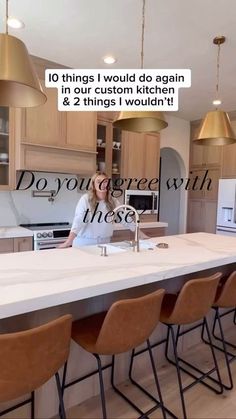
(136, 234)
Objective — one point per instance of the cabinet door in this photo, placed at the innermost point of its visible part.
(6, 245)
(196, 151)
(42, 124)
(195, 186)
(81, 130)
(23, 244)
(229, 161)
(152, 157)
(212, 193)
(195, 216)
(133, 155)
(212, 155)
(210, 210)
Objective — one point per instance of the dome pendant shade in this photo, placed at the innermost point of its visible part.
(19, 83)
(216, 130)
(141, 121)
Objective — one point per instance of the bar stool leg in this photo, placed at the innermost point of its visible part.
(102, 391)
(174, 341)
(119, 392)
(223, 348)
(60, 396)
(156, 379)
(213, 355)
(32, 404)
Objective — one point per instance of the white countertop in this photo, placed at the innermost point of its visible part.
(34, 280)
(11, 232)
(150, 224)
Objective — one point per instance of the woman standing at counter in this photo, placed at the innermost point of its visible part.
(90, 228)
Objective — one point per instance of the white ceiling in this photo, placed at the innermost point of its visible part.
(179, 33)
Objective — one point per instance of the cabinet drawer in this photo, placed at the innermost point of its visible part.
(6, 245)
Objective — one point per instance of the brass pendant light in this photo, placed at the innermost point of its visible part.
(141, 121)
(19, 83)
(216, 128)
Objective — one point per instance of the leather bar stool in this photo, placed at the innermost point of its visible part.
(225, 299)
(127, 324)
(191, 305)
(28, 359)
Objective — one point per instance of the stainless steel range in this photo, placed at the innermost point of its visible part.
(48, 235)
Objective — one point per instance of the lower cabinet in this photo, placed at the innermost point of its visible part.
(121, 235)
(202, 216)
(17, 244)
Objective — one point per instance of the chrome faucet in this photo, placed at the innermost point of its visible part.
(137, 220)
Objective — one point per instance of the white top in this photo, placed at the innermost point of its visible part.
(11, 232)
(36, 280)
(90, 225)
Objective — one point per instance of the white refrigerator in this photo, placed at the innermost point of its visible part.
(226, 208)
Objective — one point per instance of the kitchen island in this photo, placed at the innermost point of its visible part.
(38, 286)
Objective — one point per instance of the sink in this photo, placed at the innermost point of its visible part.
(95, 250)
(118, 247)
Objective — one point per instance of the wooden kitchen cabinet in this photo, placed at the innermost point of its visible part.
(121, 235)
(152, 156)
(80, 130)
(206, 186)
(23, 244)
(133, 155)
(17, 244)
(229, 161)
(42, 125)
(201, 216)
(141, 156)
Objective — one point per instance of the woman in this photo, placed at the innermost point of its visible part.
(89, 227)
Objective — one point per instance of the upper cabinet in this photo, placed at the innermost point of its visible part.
(6, 149)
(229, 161)
(80, 130)
(42, 125)
(141, 155)
(53, 141)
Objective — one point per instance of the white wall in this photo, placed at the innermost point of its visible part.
(170, 199)
(177, 137)
(19, 206)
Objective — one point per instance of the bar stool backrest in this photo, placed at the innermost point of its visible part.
(195, 299)
(227, 296)
(129, 323)
(30, 358)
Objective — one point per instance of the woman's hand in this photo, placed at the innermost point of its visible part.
(63, 245)
(68, 242)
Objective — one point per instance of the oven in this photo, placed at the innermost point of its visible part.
(148, 201)
(48, 235)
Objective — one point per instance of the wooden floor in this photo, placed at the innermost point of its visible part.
(200, 402)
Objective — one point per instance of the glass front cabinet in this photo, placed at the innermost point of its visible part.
(6, 149)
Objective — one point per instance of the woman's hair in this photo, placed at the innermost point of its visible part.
(92, 196)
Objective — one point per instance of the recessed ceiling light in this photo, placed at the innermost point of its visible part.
(15, 23)
(109, 59)
(216, 102)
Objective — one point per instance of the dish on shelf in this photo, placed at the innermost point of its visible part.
(3, 157)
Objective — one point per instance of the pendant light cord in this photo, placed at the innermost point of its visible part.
(218, 71)
(142, 38)
(7, 17)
